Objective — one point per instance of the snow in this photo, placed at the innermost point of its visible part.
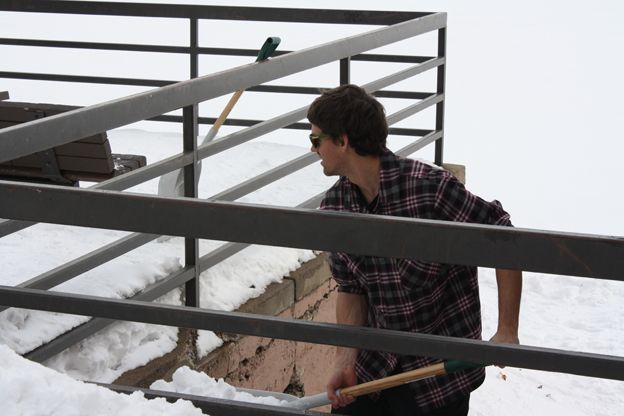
(32, 389)
(185, 380)
(546, 175)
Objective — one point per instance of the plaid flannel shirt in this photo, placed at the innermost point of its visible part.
(411, 295)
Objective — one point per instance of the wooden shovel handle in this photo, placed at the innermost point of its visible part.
(227, 109)
(395, 380)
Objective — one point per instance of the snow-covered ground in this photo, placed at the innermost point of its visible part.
(32, 389)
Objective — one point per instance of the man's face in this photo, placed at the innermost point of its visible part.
(328, 151)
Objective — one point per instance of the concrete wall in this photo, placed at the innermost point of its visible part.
(262, 363)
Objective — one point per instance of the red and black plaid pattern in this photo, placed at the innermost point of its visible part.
(412, 295)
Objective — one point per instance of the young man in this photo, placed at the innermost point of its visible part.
(349, 133)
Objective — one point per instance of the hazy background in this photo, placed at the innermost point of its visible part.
(533, 89)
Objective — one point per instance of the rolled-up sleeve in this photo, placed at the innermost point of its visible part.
(345, 280)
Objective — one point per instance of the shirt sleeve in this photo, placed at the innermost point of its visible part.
(345, 280)
(453, 202)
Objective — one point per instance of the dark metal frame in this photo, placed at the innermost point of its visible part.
(242, 224)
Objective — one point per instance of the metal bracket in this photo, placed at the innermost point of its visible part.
(49, 164)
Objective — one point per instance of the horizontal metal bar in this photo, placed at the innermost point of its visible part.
(398, 342)
(413, 95)
(318, 90)
(94, 45)
(185, 49)
(265, 178)
(455, 243)
(87, 262)
(141, 82)
(420, 143)
(12, 226)
(211, 405)
(68, 339)
(398, 131)
(267, 14)
(51, 131)
(415, 108)
(79, 333)
(153, 170)
(86, 79)
(250, 133)
(407, 59)
(404, 74)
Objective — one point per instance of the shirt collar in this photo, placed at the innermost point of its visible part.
(389, 173)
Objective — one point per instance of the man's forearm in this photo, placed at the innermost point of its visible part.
(350, 310)
(509, 294)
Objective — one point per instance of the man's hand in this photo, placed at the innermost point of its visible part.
(344, 377)
(507, 338)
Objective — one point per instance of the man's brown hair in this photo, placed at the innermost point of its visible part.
(350, 110)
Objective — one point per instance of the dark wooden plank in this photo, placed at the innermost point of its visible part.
(30, 161)
(88, 159)
(85, 149)
(96, 138)
(18, 113)
(67, 163)
(4, 124)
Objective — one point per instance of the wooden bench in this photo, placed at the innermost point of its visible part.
(89, 159)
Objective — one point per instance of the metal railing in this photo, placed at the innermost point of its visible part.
(242, 224)
(118, 113)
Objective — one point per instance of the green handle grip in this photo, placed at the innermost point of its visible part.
(452, 366)
(268, 48)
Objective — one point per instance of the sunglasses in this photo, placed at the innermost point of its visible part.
(315, 139)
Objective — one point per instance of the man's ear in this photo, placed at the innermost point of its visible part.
(343, 140)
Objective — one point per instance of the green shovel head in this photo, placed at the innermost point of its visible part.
(268, 48)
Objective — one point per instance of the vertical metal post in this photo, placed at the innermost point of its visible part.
(194, 45)
(345, 71)
(190, 116)
(439, 146)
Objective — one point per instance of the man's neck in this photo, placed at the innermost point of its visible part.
(364, 173)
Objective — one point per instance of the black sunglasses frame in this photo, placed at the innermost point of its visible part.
(315, 139)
